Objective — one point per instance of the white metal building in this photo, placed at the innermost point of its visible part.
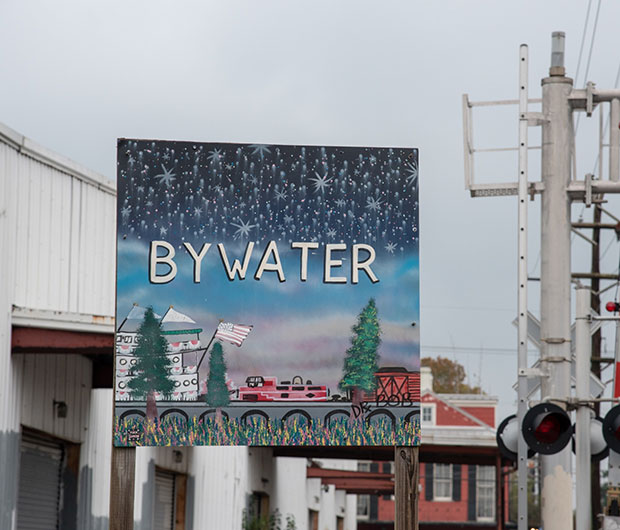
(57, 270)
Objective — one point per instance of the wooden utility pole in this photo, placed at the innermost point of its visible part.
(406, 475)
(595, 303)
(122, 483)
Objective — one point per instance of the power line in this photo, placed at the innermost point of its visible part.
(598, 9)
(468, 308)
(474, 350)
(583, 39)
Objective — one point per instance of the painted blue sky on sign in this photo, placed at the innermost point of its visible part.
(236, 193)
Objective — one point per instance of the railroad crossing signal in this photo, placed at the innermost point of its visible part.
(611, 429)
(547, 428)
(542, 429)
(507, 437)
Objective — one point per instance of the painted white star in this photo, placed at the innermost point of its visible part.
(373, 204)
(412, 169)
(163, 231)
(340, 203)
(126, 211)
(166, 177)
(215, 155)
(260, 149)
(243, 229)
(390, 247)
(197, 211)
(320, 183)
(331, 233)
(280, 195)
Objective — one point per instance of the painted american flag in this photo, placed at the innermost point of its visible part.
(234, 333)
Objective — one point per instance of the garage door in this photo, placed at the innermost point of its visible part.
(40, 474)
(164, 501)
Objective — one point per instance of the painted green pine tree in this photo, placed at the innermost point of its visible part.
(152, 366)
(361, 361)
(217, 391)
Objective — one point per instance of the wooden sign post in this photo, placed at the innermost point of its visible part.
(406, 475)
(122, 482)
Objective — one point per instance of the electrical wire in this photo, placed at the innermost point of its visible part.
(474, 350)
(583, 39)
(611, 241)
(598, 9)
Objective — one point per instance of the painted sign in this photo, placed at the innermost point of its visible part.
(266, 295)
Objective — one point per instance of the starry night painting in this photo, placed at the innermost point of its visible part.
(266, 295)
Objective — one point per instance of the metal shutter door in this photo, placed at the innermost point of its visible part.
(164, 501)
(39, 484)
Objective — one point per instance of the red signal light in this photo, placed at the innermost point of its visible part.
(548, 430)
(611, 428)
(612, 307)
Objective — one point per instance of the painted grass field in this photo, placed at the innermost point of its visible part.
(172, 431)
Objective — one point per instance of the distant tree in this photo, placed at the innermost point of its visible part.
(361, 360)
(448, 376)
(152, 365)
(217, 391)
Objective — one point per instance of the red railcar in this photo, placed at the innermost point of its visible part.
(395, 384)
(259, 388)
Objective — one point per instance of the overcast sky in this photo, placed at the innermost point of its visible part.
(77, 75)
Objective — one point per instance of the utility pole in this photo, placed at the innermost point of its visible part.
(555, 276)
(558, 189)
(583, 449)
(595, 304)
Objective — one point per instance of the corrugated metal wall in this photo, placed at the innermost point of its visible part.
(10, 406)
(95, 462)
(44, 379)
(56, 253)
(64, 251)
(221, 485)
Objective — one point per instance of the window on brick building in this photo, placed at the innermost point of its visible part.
(363, 501)
(442, 483)
(428, 414)
(485, 493)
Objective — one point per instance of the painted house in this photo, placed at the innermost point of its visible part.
(462, 479)
(57, 268)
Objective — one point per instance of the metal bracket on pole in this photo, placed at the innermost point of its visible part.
(589, 98)
(588, 197)
(535, 119)
(532, 372)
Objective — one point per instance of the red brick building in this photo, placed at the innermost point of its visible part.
(461, 480)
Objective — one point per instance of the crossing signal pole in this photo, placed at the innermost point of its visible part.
(555, 276)
(558, 187)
